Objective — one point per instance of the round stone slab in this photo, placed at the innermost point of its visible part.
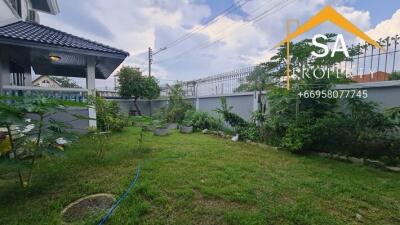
(87, 207)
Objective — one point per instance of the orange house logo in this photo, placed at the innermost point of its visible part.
(326, 14)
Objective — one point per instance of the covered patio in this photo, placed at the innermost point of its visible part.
(27, 48)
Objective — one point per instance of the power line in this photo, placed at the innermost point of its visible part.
(189, 35)
(258, 17)
(255, 19)
(225, 12)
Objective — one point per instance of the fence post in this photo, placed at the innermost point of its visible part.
(255, 101)
(197, 103)
(151, 107)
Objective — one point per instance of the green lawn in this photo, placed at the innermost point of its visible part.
(201, 179)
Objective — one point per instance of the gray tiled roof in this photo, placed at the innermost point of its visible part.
(32, 32)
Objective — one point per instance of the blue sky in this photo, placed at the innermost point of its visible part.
(380, 9)
(218, 6)
(230, 43)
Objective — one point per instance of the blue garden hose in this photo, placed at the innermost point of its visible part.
(131, 186)
(118, 202)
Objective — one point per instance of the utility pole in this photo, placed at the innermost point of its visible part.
(288, 23)
(151, 54)
(150, 60)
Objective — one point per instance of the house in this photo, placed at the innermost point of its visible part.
(371, 77)
(26, 46)
(165, 90)
(45, 81)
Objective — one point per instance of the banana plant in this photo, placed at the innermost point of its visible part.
(32, 131)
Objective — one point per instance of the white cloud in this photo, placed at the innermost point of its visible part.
(361, 19)
(136, 25)
(387, 28)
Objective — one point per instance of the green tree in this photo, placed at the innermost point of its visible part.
(288, 115)
(132, 84)
(108, 115)
(65, 82)
(395, 76)
(177, 106)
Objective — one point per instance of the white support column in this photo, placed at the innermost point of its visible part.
(4, 71)
(28, 75)
(1, 75)
(91, 87)
(197, 97)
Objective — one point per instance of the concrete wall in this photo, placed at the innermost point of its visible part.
(146, 107)
(386, 94)
(387, 97)
(79, 126)
(242, 104)
(6, 14)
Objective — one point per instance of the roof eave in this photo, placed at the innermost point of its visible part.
(38, 45)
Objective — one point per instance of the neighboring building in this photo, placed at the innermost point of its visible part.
(27, 46)
(46, 82)
(26, 10)
(108, 93)
(374, 77)
(165, 90)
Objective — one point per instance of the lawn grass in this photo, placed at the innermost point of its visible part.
(201, 179)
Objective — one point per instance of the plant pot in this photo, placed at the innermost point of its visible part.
(149, 128)
(186, 130)
(161, 131)
(172, 126)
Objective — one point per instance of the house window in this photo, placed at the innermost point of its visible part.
(17, 75)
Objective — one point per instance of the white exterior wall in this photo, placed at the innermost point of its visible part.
(24, 9)
(6, 14)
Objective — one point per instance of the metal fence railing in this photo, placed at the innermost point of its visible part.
(71, 94)
(224, 83)
(370, 60)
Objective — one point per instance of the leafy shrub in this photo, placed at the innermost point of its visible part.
(202, 120)
(250, 132)
(296, 139)
(245, 129)
(394, 76)
(361, 132)
(232, 119)
(108, 115)
(140, 121)
(299, 134)
(315, 124)
(177, 106)
(372, 131)
(333, 133)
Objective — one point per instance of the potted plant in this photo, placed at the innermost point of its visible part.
(161, 129)
(186, 127)
(172, 126)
